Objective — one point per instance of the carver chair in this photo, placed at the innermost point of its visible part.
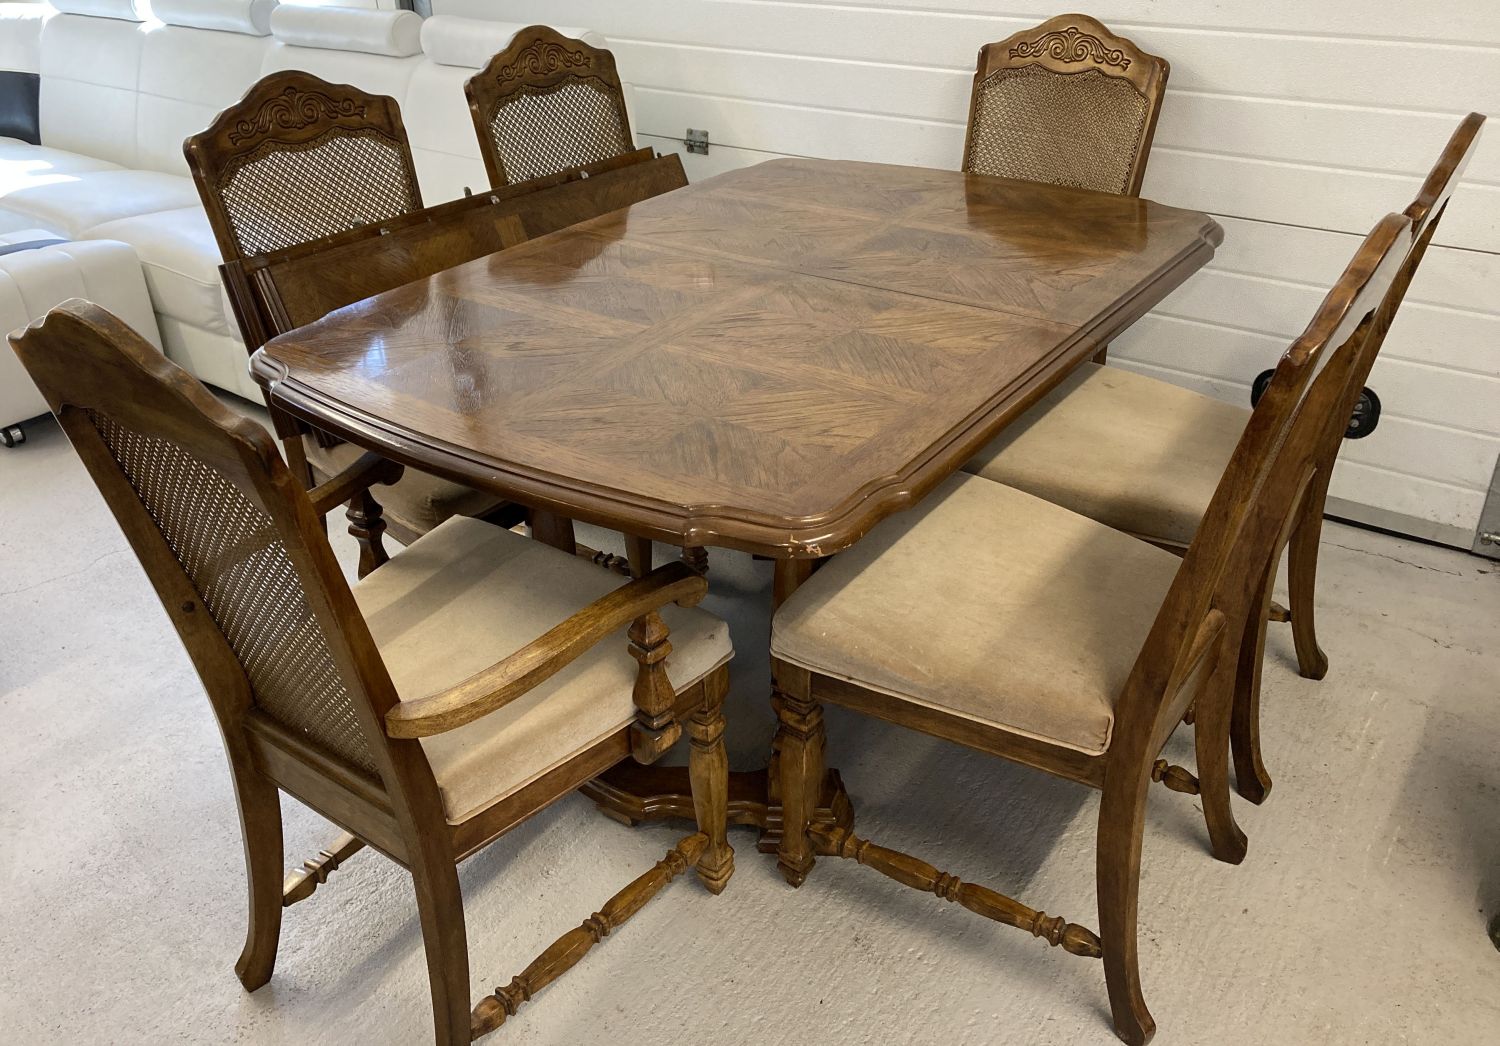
(1063, 644)
(299, 160)
(468, 683)
(545, 104)
(1145, 456)
(1066, 103)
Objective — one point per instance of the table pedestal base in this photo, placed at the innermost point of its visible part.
(632, 794)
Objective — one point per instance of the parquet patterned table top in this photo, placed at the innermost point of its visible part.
(772, 360)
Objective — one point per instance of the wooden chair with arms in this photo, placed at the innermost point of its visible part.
(1066, 103)
(474, 679)
(1064, 645)
(296, 160)
(1144, 456)
(545, 104)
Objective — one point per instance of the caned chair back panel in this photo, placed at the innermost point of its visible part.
(1066, 103)
(297, 159)
(227, 537)
(545, 104)
(1257, 497)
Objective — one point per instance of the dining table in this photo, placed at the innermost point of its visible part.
(773, 360)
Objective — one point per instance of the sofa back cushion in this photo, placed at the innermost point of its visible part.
(90, 68)
(126, 10)
(376, 51)
(188, 75)
(251, 17)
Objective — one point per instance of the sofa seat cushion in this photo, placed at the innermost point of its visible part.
(468, 595)
(181, 262)
(419, 502)
(988, 605)
(1138, 454)
(88, 199)
(25, 166)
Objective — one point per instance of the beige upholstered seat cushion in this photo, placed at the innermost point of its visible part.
(1138, 454)
(988, 604)
(418, 502)
(467, 595)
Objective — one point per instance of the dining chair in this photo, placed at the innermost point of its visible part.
(296, 160)
(1145, 456)
(547, 103)
(471, 681)
(1066, 103)
(1063, 644)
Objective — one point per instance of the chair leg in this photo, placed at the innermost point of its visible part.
(366, 526)
(440, 906)
(1302, 577)
(1211, 739)
(799, 744)
(1121, 825)
(1250, 777)
(708, 769)
(638, 553)
(260, 824)
(696, 557)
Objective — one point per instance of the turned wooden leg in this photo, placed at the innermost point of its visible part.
(1302, 577)
(1211, 739)
(440, 906)
(696, 557)
(799, 743)
(1250, 777)
(638, 552)
(366, 525)
(260, 825)
(708, 768)
(656, 728)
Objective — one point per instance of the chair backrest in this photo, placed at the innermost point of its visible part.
(545, 104)
(299, 158)
(1254, 503)
(227, 537)
(1425, 213)
(1066, 103)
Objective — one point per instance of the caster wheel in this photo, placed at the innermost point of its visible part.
(12, 436)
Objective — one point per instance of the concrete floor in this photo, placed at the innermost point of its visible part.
(1358, 917)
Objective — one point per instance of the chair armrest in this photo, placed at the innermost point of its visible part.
(366, 471)
(542, 658)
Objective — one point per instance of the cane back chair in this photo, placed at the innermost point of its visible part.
(1067, 646)
(547, 103)
(464, 686)
(1144, 456)
(1067, 103)
(298, 160)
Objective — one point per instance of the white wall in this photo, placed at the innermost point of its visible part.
(1299, 123)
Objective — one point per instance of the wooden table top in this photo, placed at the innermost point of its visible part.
(772, 360)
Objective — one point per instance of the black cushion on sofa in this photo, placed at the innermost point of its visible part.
(18, 106)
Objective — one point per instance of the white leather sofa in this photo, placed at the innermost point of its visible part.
(37, 273)
(119, 93)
